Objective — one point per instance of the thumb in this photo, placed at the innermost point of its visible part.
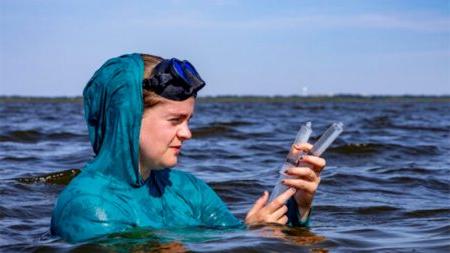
(259, 203)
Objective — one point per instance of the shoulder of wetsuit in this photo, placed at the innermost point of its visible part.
(214, 211)
(87, 217)
(190, 184)
(87, 209)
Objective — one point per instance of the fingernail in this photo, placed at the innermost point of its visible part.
(283, 181)
(286, 171)
(293, 189)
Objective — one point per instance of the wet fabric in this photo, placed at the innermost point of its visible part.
(110, 195)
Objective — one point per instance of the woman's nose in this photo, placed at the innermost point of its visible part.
(185, 133)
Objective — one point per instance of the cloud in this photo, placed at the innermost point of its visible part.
(423, 24)
(197, 20)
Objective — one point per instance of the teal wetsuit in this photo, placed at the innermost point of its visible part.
(110, 195)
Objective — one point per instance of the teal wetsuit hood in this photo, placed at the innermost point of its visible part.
(113, 108)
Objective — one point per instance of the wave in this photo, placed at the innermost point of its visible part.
(232, 190)
(389, 182)
(211, 131)
(378, 122)
(378, 210)
(60, 177)
(32, 136)
(223, 129)
(19, 159)
(365, 210)
(387, 122)
(353, 148)
(426, 213)
(421, 128)
(21, 136)
(374, 148)
(432, 183)
(381, 210)
(340, 180)
(403, 170)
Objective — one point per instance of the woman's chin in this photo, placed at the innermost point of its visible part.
(171, 163)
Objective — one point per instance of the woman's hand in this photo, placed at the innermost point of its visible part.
(308, 177)
(274, 212)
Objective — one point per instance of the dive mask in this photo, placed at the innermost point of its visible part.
(174, 79)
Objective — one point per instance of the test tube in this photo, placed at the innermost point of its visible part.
(304, 133)
(319, 147)
(327, 138)
(302, 137)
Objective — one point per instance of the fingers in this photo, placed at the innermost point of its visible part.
(280, 200)
(308, 186)
(275, 212)
(302, 172)
(305, 147)
(296, 149)
(259, 203)
(317, 163)
(279, 213)
(283, 220)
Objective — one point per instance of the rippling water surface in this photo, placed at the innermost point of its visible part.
(386, 186)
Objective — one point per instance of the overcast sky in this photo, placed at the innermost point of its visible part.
(52, 48)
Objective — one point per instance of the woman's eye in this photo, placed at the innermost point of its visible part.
(175, 120)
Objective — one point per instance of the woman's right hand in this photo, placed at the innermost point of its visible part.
(274, 212)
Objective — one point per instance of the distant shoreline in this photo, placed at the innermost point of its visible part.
(256, 99)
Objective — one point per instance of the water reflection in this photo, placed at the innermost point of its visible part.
(297, 236)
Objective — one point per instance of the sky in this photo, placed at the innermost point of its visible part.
(299, 47)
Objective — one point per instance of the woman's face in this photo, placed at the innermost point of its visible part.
(164, 129)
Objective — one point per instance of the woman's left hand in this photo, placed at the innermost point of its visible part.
(308, 177)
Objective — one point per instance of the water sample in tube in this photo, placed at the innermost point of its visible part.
(291, 160)
(327, 138)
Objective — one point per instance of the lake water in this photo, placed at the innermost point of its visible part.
(386, 187)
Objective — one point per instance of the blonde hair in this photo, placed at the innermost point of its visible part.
(150, 98)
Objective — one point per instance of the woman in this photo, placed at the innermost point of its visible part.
(137, 108)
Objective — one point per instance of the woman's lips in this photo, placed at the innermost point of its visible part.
(176, 148)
